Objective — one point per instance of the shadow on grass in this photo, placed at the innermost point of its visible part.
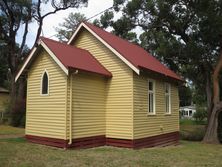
(14, 140)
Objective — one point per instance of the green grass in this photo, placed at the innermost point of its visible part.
(17, 152)
(191, 130)
(9, 130)
(192, 154)
(191, 122)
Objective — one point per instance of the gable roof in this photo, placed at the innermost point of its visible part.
(66, 57)
(134, 56)
(77, 58)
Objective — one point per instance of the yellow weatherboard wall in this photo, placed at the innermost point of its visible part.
(46, 113)
(88, 105)
(160, 123)
(119, 89)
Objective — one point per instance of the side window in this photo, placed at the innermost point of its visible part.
(151, 97)
(167, 99)
(45, 84)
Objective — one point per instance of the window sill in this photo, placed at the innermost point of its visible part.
(150, 115)
(44, 94)
(168, 114)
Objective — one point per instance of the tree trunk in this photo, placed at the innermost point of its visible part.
(13, 93)
(209, 96)
(211, 135)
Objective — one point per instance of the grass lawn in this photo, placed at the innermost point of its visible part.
(191, 130)
(17, 152)
(8, 130)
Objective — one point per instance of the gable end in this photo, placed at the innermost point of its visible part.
(136, 70)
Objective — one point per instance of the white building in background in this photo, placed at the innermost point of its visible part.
(187, 111)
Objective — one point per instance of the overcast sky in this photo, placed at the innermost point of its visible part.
(52, 21)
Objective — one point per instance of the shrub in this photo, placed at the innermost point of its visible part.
(18, 113)
(200, 115)
(192, 133)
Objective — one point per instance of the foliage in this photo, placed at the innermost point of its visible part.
(66, 29)
(185, 96)
(192, 132)
(13, 15)
(185, 35)
(201, 114)
(18, 114)
(3, 65)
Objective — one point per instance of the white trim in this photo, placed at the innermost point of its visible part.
(136, 70)
(75, 33)
(54, 57)
(167, 94)
(40, 42)
(45, 71)
(154, 97)
(25, 64)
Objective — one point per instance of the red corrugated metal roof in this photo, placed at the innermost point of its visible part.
(133, 53)
(73, 57)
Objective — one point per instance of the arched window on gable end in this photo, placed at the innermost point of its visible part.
(45, 84)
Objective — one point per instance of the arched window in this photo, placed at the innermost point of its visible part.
(45, 84)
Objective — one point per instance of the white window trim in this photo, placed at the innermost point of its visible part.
(45, 71)
(167, 113)
(154, 97)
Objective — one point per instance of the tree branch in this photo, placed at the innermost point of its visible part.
(56, 10)
(24, 36)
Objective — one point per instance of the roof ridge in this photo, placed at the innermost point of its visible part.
(133, 53)
(62, 43)
(131, 43)
(139, 47)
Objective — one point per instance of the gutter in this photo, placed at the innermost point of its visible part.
(70, 110)
(66, 107)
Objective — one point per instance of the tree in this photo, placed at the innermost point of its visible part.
(186, 35)
(17, 13)
(121, 27)
(66, 29)
(3, 64)
(185, 96)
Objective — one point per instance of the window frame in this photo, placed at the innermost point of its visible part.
(41, 84)
(167, 94)
(154, 97)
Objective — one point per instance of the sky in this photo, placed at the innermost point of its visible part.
(94, 7)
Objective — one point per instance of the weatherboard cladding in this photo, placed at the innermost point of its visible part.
(45, 114)
(119, 100)
(115, 108)
(133, 53)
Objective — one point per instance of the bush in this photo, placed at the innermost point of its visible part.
(200, 115)
(192, 132)
(18, 114)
